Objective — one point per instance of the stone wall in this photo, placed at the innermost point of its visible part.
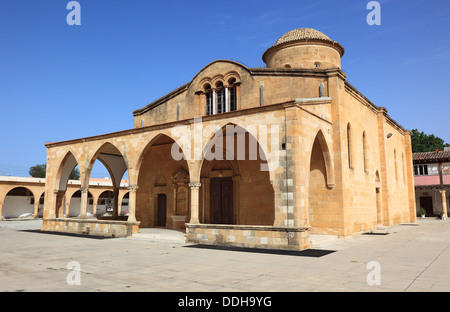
(91, 227)
(269, 237)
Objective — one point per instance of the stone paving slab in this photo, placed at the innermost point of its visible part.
(411, 258)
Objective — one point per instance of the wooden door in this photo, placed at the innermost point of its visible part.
(221, 201)
(162, 209)
(427, 203)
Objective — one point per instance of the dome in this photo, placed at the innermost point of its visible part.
(303, 36)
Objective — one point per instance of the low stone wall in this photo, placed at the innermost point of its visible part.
(109, 228)
(269, 237)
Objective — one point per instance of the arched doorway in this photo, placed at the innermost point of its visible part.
(163, 197)
(235, 188)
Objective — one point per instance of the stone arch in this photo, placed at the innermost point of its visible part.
(74, 209)
(56, 206)
(113, 160)
(326, 154)
(17, 202)
(319, 190)
(106, 203)
(150, 143)
(232, 75)
(234, 187)
(203, 83)
(156, 167)
(262, 149)
(66, 166)
(218, 79)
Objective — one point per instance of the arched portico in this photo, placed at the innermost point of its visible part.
(114, 161)
(235, 182)
(163, 197)
(18, 202)
(55, 207)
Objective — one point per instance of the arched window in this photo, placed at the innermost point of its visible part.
(364, 151)
(220, 93)
(395, 164)
(232, 93)
(209, 99)
(221, 99)
(349, 147)
(403, 167)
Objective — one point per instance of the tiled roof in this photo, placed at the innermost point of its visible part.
(431, 156)
(302, 34)
(306, 34)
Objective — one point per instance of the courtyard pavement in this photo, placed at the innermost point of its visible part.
(402, 258)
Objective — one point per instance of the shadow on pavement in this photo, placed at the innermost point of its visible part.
(303, 253)
(68, 234)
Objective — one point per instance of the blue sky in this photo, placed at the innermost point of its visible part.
(60, 82)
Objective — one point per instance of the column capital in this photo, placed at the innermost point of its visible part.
(195, 185)
(84, 189)
(133, 188)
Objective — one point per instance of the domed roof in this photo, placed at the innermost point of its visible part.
(302, 34)
(306, 34)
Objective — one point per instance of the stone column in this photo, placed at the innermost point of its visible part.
(67, 205)
(84, 202)
(36, 208)
(194, 202)
(132, 203)
(444, 205)
(1, 210)
(214, 110)
(94, 210)
(115, 203)
(227, 105)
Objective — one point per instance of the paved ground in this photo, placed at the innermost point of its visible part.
(407, 258)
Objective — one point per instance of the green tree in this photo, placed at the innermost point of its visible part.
(39, 171)
(422, 142)
(75, 174)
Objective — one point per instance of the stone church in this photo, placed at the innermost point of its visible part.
(251, 157)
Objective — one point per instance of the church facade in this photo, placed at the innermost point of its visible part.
(253, 157)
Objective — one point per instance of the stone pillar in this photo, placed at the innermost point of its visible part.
(84, 202)
(67, 205)
(444, 205)
(115, 203)
(95, 203)
(194, 202)
(132, 203)
(1, 210)
(36, 208)
(58, 210)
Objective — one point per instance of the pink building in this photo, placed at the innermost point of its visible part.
(432, 181)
